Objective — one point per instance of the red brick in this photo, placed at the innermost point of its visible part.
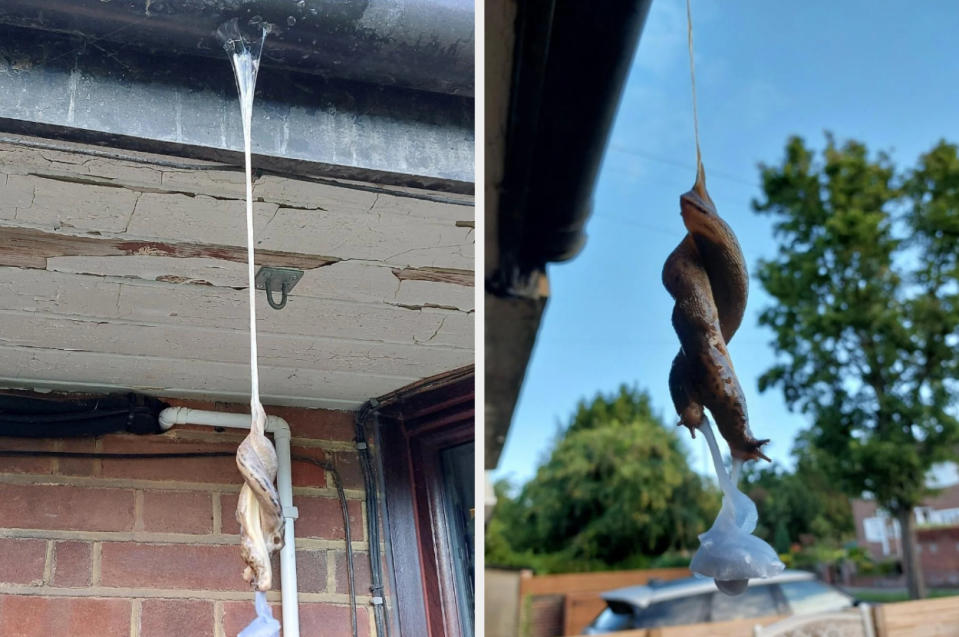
(319, 517)
(236, 616)
(220, 470)
(189, 566)
(347, 463)
(322, 424)
(22, 560)
(178, 512)
(72, 563)
(67, 508)
(361, 572)
(26, 464)
(307, 474)
(323, 518)
(176, 618)
(228, 523)
(330, 619)
(311, 571)
(34, 616)
(77, 466)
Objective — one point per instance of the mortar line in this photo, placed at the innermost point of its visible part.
(219, 612)
(49, 564)
(356, 495)
(136, 616)
(97, 564)
(55, 465)
(217, 505)
(337, 599)
(138, 510)
(146, 537)
(331, 571)
(97, 462)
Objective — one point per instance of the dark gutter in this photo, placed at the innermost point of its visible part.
(425, 45)
(570, 66)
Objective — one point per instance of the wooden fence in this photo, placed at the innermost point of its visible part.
(923, 618)
(733, 628)
(570, 601)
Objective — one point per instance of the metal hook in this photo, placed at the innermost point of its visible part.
(286, 277)
(269, 295)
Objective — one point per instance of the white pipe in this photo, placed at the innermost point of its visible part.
(284, 482)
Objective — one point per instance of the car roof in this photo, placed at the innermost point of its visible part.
(643, 596)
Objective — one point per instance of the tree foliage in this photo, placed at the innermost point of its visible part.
(798, 506)
(615, 488)
(866, 311)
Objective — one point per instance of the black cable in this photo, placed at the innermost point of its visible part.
(372, 521)
(346, 528)
(337, 481)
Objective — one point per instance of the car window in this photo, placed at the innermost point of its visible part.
(616, 616)
(673, 612)
(813, 597)
(757, 601)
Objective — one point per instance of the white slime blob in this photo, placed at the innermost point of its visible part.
(728, 552)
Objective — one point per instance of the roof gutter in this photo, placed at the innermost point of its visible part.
(424, 45)
(570, 63)
(570, 66)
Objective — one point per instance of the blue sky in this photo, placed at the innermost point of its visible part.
(877, 71)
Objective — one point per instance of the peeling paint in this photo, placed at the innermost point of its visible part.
(24, 247)
(445, 275)
(139, 270)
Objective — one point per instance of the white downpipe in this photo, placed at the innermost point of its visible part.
(284, 485)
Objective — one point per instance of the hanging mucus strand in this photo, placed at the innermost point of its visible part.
(706, 276)
(258, 508)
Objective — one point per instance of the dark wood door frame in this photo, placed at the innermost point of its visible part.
(412, 430)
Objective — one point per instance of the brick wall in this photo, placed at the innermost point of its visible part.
(149, 548)
(939, 554)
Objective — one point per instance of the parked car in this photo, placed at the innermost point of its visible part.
(692, 600)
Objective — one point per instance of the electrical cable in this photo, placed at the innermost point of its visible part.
(337, 481)
(372, 520)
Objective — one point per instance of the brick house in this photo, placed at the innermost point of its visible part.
(937, 522)
(123, 273)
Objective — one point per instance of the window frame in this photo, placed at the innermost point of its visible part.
(411, 433)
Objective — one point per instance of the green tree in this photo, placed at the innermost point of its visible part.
(616, 487)
(865, 316)
(793, 505)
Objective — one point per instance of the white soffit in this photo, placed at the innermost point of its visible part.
(130, 275)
